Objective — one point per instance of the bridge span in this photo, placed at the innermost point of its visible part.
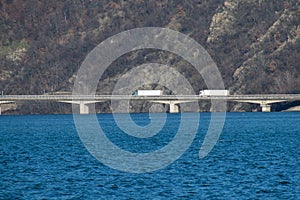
(264, 100)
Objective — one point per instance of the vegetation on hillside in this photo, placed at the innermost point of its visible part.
(255, 43)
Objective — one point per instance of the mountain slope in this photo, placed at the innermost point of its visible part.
(255, 43)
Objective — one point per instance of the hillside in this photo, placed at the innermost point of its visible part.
(255, 44)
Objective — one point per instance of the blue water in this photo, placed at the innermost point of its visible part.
(256, 157)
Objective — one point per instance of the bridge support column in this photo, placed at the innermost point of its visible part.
(83, 105)
(265, 107)
(174, 108)
(264, 104)
(4, 102)
(83, 108)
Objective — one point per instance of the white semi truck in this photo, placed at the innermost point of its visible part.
(214, 93)
(147, 93)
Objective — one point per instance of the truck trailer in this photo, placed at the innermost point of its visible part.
(147, 93)
(214, 93)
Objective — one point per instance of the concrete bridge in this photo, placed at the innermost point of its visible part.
(264, 100)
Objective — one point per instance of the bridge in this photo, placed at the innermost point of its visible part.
(264, 100)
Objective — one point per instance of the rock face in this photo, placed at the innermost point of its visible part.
(255, 44)
(284, 34)
(223, 21)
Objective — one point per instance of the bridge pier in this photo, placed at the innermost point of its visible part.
(174, 108)
(4, 102)
(83, 108)
(83, 105)
(265, 107)
(264, 104)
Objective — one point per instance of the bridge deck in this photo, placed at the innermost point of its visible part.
(285, 97)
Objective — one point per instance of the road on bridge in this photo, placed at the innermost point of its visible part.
(283, 97)
(265, 100)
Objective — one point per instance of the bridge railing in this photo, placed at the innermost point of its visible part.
(161, 97)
